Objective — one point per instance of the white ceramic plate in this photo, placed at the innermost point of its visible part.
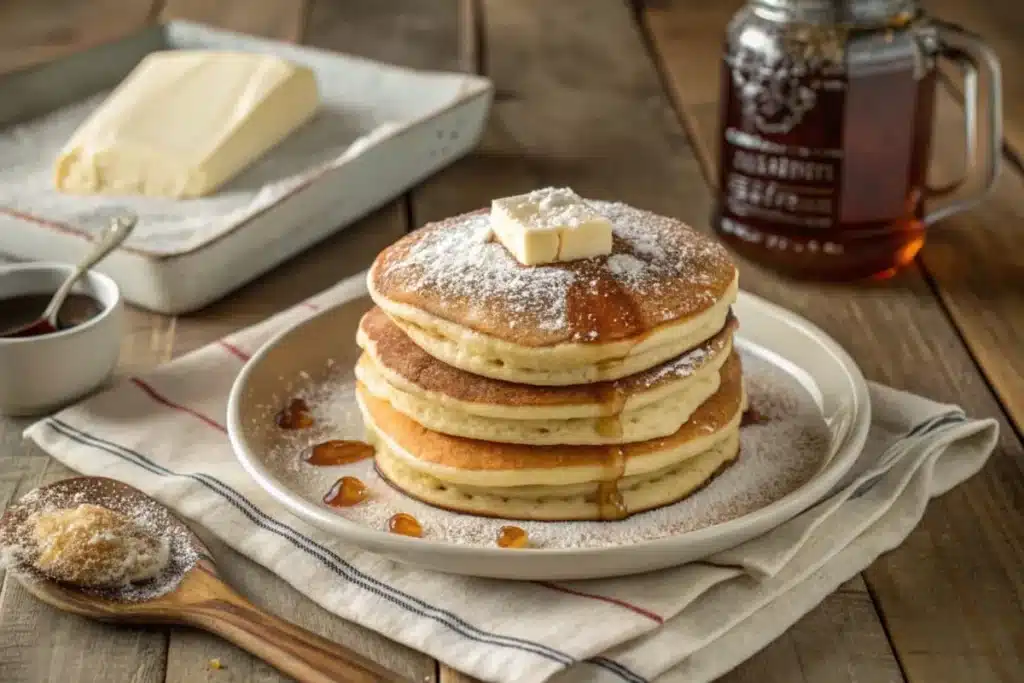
(782, 339)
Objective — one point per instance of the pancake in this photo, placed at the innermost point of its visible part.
(462, 297)
(660, 418)
(460, 353)
(408, 368)
(644, 492)
(461, 461)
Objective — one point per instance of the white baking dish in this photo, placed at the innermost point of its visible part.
(399, 126)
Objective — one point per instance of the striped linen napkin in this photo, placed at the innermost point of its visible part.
(163, 432)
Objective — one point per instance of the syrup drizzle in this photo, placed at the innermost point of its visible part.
(599, 309)
(609, 499)
(346, 492)
(338, 452)
(513, 537)
(613, 400)
(752, 417)
(405, 525)
(295, 415)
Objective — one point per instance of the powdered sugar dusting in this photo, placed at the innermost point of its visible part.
(778, 455)
(682, 366)
(558, 206)
(658, 253)
(464, 262)
(625, 266)
(456, 269)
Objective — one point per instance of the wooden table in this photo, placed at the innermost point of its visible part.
(616, 101)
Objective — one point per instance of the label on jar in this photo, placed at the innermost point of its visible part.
(796, 186)
(782, 148)
(811, 143)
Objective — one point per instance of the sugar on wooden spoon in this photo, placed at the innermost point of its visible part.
(102, 549)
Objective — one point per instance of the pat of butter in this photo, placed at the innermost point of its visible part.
(184, 122)
(549, 225)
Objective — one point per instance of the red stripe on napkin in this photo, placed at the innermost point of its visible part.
(604, 598)
(234, 350)
(159, 398)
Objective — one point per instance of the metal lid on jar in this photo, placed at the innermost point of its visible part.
(848, 12)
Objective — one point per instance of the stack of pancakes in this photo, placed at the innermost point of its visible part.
(590, 389)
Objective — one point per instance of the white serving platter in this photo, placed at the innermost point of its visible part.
(381, 130)
(309, 352)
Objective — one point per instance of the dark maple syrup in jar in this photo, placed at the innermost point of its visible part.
(825, 139)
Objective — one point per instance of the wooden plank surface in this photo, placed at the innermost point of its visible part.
(1001, 24)
(593, 77)
(986, 303)
(40, 30)
(278, 19)
(951, 594)
(413, 33)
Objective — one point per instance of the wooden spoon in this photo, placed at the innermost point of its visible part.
(193, 595)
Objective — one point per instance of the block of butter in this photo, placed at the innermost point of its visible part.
(184, 122)
(549, 225)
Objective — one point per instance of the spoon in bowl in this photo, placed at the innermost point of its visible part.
(188, 592)
(110, 239)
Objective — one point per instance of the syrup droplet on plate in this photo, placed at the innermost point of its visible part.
(513, 537)
(752, 417)
(346, 492)
(405, 524)
(295, 415)
(338, 452)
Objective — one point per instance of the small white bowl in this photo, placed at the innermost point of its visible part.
(40, 374)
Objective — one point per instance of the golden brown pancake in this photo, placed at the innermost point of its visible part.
(412, 369)
(660, 272)
(586, 502)
(556, 482)
(467, 457)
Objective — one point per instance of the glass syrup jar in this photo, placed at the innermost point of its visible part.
(825, 133)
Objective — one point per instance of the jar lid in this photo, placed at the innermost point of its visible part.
(834, 11)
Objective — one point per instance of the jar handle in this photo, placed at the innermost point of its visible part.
(975, 58)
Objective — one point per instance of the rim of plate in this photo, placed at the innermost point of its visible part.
(785, 508)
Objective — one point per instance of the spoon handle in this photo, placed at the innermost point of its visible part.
(110, 239)
(294, 651)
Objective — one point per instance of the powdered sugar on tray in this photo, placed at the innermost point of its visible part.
(781, 451)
